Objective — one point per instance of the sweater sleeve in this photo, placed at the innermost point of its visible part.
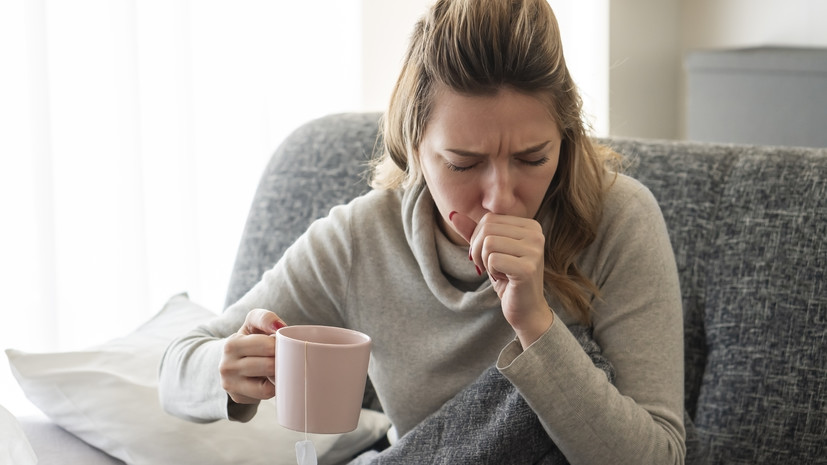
(307, 286)
(638, 324)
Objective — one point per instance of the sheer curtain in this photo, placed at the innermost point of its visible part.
(133, 133)
(584, 28)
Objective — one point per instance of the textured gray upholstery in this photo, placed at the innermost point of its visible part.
(748, 225)
(321, 164)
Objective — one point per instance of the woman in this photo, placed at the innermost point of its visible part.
(494, 224)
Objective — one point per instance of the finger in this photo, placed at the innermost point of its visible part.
(238, 371)
(250, 345)
(256, 367)
(513, 268)
(502, 245)
(518, 226)
(505, 234)
(466, 227)
(244, 388)
(250, 390)
(261, 321)
(507, 231)
(498, 246)
(248, 356)
(508, 242)
(462, 224)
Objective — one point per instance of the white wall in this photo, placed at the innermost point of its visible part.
(644, 65)
(584, 29)
(650, 38)
(726, 24)
(386, 27)
(714, 24)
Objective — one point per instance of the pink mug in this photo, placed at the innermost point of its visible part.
(330, 365)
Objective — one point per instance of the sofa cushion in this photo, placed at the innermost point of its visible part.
(764, 394)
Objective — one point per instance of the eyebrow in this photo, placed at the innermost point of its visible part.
(528, 151)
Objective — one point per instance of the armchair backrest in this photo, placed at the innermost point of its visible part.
(321, 164)
(749, 229)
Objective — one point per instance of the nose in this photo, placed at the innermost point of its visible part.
(499, 193)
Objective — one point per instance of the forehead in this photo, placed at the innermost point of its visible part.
(506, 112)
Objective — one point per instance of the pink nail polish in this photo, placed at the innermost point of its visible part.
(278, 325)
(479, 271)
(451, 215)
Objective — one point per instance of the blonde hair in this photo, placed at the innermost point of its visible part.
(477, 47)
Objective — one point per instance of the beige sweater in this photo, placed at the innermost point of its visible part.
(381, 266)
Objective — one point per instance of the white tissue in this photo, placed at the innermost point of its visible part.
(305, 453)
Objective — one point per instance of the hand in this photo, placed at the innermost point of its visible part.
(511, 249)
(249, 358)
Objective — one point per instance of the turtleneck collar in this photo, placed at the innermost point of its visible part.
(449, 274)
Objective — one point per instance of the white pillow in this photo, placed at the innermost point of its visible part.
(108, 396)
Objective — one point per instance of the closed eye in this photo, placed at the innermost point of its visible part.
(457, 168)
(525, 157)
(467, 160)
(538, 162)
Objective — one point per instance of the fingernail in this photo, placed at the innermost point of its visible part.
(278, 325)
(479, 271)
(451, 215)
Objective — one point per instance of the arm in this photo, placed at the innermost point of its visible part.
(305, 286)
(638, 324)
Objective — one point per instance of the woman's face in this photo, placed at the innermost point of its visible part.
(483, 154)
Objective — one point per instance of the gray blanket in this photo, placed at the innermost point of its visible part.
(488, 422)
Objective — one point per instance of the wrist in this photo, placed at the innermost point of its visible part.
(532, 330)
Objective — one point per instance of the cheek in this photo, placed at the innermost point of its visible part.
(535, 192)
(433, 180)
(429, 173)
(448, 191)
(535, 197)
